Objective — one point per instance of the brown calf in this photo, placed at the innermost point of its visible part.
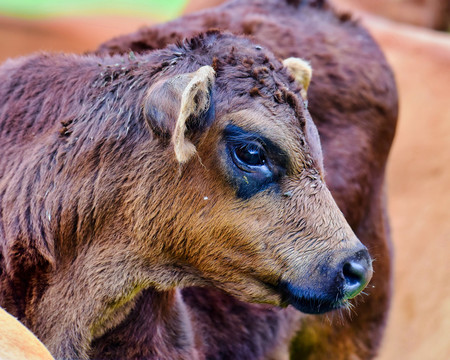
(124, 179)
(353, 102)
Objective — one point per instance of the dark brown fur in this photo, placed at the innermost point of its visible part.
(353, 101)
(101, 225)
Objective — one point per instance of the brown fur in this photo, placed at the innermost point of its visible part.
(353, 101)
(102, 224)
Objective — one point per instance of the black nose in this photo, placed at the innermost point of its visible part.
(357, 272)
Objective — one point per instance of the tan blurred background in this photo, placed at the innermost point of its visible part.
(419, 168)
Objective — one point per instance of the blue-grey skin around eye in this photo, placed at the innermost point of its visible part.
(254, 162)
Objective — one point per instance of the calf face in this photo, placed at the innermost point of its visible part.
(257, 218)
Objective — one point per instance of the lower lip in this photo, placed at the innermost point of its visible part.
(307, 301)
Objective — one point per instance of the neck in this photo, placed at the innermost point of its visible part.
(157, 324)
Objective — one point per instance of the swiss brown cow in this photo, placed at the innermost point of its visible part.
(126, 178)
(353, 102)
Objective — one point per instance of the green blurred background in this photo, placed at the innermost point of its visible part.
(158, 9)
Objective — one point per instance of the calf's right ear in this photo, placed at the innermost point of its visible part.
(301, 71)
(180, 105)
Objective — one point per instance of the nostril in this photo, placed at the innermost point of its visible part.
(353, 273)
(356, 277)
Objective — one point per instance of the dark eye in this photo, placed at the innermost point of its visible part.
(252, 162)
(250, 154)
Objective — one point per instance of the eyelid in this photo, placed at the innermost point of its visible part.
(246, 140)
(249, 145)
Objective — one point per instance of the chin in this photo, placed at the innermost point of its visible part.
(310, 302)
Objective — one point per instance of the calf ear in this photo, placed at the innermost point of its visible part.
(178, 104)
(301, 71)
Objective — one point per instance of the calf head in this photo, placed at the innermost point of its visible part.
(249, 212)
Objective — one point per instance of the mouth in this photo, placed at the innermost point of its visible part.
(308, 301)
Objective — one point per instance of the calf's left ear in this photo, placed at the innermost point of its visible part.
(178, 105)
(301, 71)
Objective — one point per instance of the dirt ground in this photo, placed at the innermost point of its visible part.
(418, 172)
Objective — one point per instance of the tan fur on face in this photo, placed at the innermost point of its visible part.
(198, 88)
(301, 71)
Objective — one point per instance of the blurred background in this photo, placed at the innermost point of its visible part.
(414, 35)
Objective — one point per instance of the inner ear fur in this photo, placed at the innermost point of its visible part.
(301, 71)
(178, 104)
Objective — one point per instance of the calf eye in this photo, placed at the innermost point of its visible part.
(250, 155)
(254, 163)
